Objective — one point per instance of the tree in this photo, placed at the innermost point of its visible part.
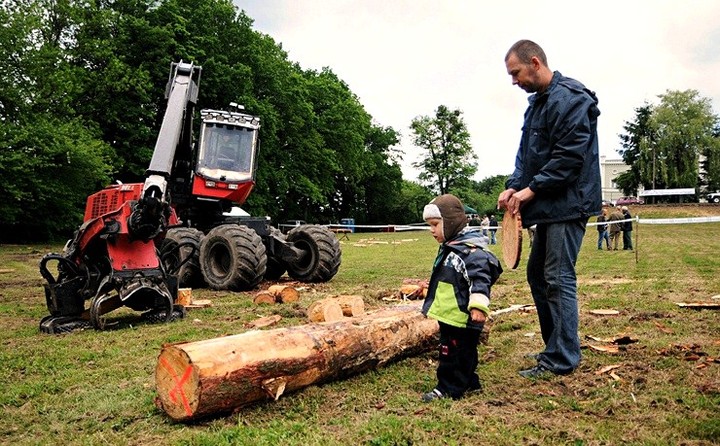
(683, 124)
(449, 159)
(711, 163)
(634, 145)
(409, 207)
(50, 159)
(665, 144)
(96, 73)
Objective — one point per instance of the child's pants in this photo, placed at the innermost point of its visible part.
(458, 360)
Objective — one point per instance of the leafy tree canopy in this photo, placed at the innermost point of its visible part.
(667, 144)
(448, 160)
(83, 99)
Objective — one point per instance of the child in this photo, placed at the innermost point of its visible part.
(458, 295)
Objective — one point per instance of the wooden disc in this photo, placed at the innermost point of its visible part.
(511, 239)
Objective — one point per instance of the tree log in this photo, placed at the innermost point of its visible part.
(264, 297)
(184, 296)
(198, 379)
(325, 310)
(284, 293)
(351, 305)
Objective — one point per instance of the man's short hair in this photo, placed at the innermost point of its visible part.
(526, 50)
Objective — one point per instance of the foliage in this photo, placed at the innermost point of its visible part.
(98, 71)
(53, 166)
(667, 143)
(449, 161)
(98, 387)
(483, 195)
(634, 144)
(408, 208)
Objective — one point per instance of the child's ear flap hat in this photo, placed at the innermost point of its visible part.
(451, 210)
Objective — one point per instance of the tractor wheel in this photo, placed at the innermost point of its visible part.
(232, 257)
(321, 260)
(189, 274)
(275, 267)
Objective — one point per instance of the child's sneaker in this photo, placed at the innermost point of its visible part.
(434, 395)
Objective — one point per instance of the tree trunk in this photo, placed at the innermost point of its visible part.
(198, 379)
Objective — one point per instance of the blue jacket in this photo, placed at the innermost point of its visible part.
(461, 279)
(558, 155)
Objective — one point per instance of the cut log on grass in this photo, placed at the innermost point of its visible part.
(284, 294)
(351, 305)
(264, 297)
(325, 310)
(184, 296)
(199, 379)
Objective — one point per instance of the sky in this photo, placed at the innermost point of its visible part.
(404, 58)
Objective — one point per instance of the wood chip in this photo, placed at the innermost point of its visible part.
(612, 349)
(607, 368)
(604, 312)
(200, 303)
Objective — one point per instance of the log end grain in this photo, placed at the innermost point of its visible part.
(264, 297)
(352, 305)
(176, 381)
(326, 310)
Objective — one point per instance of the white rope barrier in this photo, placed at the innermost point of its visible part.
(423, 226)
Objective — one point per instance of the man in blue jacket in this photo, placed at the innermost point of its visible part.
(556, 186)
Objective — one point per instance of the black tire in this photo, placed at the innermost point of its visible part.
(189, 274)
(232, 257)
(275, 267)
(322, 253)
(716, 200)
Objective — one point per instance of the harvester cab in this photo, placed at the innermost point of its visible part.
(227, 156)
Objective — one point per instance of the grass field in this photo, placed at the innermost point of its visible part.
(98, 387)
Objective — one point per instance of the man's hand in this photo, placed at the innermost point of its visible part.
(519, 199)
(477, 316)
(504, 197)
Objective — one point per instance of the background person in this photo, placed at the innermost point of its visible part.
(555, 185)
(493, 229)
(484, 225)
(458, 295)
(615, 227)
(627, 229)
(602, 229)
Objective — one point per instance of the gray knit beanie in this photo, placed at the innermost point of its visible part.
(451, 210)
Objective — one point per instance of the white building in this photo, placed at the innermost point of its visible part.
(609, 170)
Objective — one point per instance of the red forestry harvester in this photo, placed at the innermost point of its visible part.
(140, 242)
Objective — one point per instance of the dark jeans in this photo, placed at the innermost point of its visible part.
(603, 235)
(627, 240)
(552, 280)
(457, 360)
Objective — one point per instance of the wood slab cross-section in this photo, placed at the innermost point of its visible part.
(203, 378)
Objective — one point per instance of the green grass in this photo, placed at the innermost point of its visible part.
(98, 387)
